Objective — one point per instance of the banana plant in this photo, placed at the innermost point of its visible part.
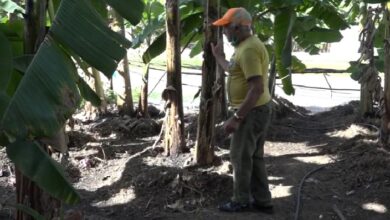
(278, 23)
(39, 93)
(153, 27)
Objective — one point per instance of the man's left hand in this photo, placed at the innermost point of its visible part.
(231, 125)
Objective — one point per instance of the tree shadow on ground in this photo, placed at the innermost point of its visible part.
(151, 186)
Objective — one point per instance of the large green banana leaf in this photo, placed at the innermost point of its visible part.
(284, 21)
(40, 168)
(156, 48)
(329, 14)
(123, 8)
(88, 35)
(47, 94)
(192, 23)
(322, 35)
(87, 93)
(52, 77)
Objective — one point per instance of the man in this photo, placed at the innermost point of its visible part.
(249, 96)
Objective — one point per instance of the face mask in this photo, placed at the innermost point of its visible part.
(234, 41)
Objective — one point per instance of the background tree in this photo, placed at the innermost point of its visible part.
(174, 124)
(128, 106)
(152, 23)
(204, 148)
(385, 125)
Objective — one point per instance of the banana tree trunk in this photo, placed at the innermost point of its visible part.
(27, 192)
(204, 148)
(128, 106)
(369, 81)
(174, 125)
(385, 125)
(99, 90)
(272, 77)
(221, 110)
(143, 99)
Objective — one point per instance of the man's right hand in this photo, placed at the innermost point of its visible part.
(218, 50)
(219, 55)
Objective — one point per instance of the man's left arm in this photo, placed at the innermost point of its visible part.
(255, 89)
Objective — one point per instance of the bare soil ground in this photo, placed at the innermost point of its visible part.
(120, 175)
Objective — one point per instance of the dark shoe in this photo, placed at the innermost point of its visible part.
(269, 209)
(232, 206)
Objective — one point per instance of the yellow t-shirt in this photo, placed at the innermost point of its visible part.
(250, 59)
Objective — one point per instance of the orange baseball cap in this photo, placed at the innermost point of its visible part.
(234, 15)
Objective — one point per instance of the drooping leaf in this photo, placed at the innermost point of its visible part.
(123, 8)
(303, 24)
(329, 15)
(306, 45)
(87, 93)
(264, 28)
(91, 38)
(284, 21)
(6, 64)
(197, 49)
(155, 49)
(322, 35)
(21, 63)
(41, 169)
(297, 65)
(158, 46)
(356, 69)
(56, 94)
(192, 23)
(10, 6)
(14, 81)
(150, 29)
(14, 31)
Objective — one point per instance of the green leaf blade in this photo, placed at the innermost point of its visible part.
(91, 38)
(123, 8)
(87, 93)
(41, 169)
(329, 14)
(284, 22)
(49, 81)
(155, 49)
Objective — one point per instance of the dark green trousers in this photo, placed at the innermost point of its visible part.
(250, 180)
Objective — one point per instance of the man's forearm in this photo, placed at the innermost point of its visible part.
(255, 90)
(249, 102)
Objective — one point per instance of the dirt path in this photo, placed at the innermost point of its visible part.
(122, 177)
